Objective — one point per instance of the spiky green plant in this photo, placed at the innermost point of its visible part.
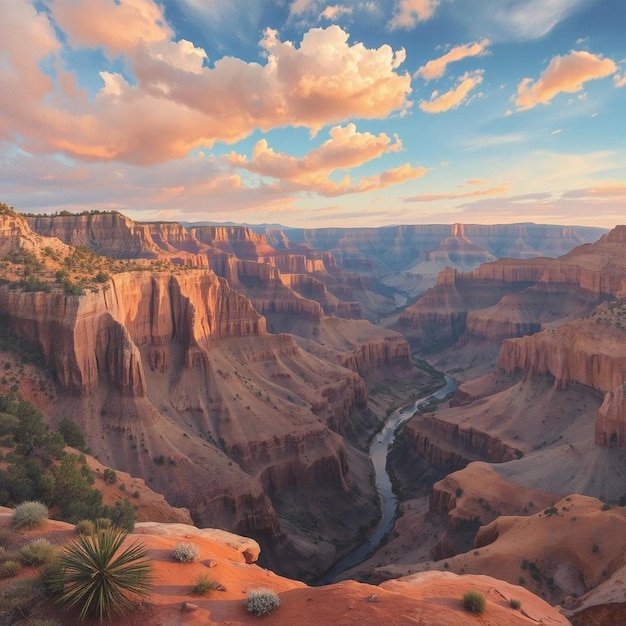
(99, 578)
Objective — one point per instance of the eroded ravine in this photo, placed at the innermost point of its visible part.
(379, 450)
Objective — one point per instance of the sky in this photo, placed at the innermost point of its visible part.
(309, 113)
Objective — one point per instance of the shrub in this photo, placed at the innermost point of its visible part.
(72, 434)
(110, 477)
(29, 514)
(85, 527)
(99, 577)
(185, 552)
(37, 552)
(103, 523)
(515, 604)
(458, 492)
(473, 602)
(51, 577)
(8, 569)
(261, 601)
(204, 584)
(595, 548)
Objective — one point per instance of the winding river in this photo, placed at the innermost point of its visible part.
(379, 450)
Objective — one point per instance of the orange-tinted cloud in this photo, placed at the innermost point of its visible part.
(172, 102)
(564, 74)
(432, 197)
(409, 12)
(440, 103)
(345, 150)
(333, 12)
(437, 67)
(115, 26)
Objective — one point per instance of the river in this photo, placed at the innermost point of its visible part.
(379, 450)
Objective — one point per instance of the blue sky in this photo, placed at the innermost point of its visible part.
(314, 113)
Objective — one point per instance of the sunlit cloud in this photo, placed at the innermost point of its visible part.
(436, 68)
(440, 103)
(500, 190)
(566, 74)
(346, 149)
(408, 13)
(173, 102)
(114, 26)
(335, 11)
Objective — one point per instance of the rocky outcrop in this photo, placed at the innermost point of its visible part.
(441, 314)
(110, 234)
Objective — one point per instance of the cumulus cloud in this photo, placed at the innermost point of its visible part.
(500, 190)
(408, 13)
(565, 74)
(115, 26)
(346, 149)
(440, 103)
(168, 101)
(436, 67)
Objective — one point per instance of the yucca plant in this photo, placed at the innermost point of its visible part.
(99, 579)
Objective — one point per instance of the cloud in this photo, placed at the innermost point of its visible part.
(620, 81)
(167, 101)
(346, 149)
(115, 26)
(616, 191)
(455, 97)
(432, 197)
(409, 12)
(333, 12)
(437, 67)
(566, 74)
(519, 20)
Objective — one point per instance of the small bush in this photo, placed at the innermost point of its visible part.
(204, 585)
(595, 548)
(102, 523)
(185, 552)
(85, 527)
(110, 477)
(8, 569)
(458, 492)
(473, 602)
(51, 577)
(515, 604)
(37, 552)
(261, 601)
(606, 507)
(29, 515)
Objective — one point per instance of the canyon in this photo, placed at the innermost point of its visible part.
(240, 371)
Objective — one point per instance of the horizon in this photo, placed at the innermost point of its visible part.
(342, 114)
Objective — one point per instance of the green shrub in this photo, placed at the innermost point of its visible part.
(85, 527)
(185, 552)
(103, 523)
(8, 569)
(261, 601)
(110, 477)
(72, 434)
(51, 577)
(29, 514)
(99, 577)
(204, 585)
(515, 604)
(37, 552)
(473, 602)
